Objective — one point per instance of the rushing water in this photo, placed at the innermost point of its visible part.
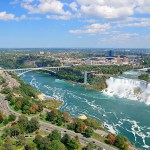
(120, 115)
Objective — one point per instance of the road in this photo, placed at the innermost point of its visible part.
(50, 127)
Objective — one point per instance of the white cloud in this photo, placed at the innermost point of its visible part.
(58, 17)
(46, 6)
(112, 9)
(143, 6)
(74, 6)
(136, 22)
(124, 37)
(6, 16)
(93, 29)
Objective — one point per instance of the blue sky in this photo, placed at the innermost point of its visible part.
(75, 23)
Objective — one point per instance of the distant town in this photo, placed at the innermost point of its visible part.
(70, 57)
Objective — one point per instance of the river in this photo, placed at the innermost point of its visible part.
(119, 113)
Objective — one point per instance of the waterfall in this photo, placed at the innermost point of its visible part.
(132, 89)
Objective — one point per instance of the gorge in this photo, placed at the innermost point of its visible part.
(118, 111)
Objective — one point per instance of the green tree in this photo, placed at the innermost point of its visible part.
(89, 132)
(25, 109)
(9, 96)
(6, 90)
(45, 144)
(90, 146)
(30, 146)
(11, 117)
(5, 121)
(121, 142)
(73, 144)
(14, 130)
(59, 121)
(33, 125)
(57, 145)
(93, 123)
(38, 139)
(12, 101)
(21, 141)
(55, 135)
(53, 115)
(80, 126)
(66, 139)
(23, 123)
(7, 145)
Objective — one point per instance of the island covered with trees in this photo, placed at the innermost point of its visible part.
(97, 75)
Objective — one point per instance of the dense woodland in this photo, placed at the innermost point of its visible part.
(14, 61)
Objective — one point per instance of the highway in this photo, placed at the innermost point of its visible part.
(49, 127)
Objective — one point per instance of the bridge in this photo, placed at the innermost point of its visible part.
(22, 71)
(54, 70)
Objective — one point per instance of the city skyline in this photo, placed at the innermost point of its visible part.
(75, 23)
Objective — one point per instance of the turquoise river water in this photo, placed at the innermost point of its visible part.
(119, 114)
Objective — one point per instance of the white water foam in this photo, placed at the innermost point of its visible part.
(128, 88)
(110, 128)
(136, 130)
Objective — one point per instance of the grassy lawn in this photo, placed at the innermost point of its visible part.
(43, 132)
(30, 139)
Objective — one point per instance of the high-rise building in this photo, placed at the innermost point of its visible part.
(110, 53)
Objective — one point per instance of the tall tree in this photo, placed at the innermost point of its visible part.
(73, 144)
(66, 139)
(89, 132)
(55, 135)
(33, 125)
(21, 140)
(30, 146)
(57, 145)
(23, 123)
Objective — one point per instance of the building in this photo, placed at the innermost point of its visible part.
(88, 62)
(118, 59)
(125, 61)
(110, 53)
